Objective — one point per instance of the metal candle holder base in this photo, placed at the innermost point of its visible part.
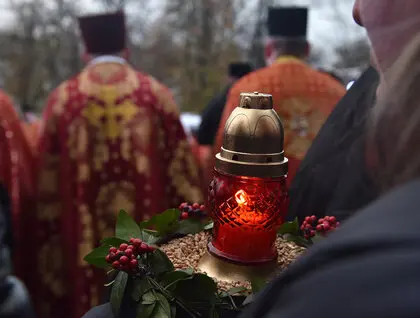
(224, 270)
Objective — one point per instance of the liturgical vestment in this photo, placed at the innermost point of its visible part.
(112, 140)
(302, 96)
(17, 176)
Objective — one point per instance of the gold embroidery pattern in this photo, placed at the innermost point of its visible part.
(164, 97)
(62, 97)
(126, 86)
(113, 197)
(178, 177)
(110, 116)
(87, 242)
(78, 139)
(51, 271)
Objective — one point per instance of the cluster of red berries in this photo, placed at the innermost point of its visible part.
(125, 257)
(311, 226)
(194, 210)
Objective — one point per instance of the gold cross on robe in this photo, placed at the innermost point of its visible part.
(110, 117)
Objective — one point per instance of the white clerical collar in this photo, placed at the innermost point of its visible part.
(108, 59)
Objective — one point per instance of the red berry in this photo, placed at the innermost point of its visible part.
(183, 205)
(326, 226)
(320, 221)
(333, 219)
(131, 240)
(308, 219)
(150, 249)
(308, 226)
(143, 248)
(113, 250)
(202, 207)
(184, 215)
(123, 247)
(313, 218)
(137, 242)
(128, 252)
(302, 228)
(112, 256)
(116, 265)
(195, 206)
(133, 263)
(312, 233)
(124, 260)
(319, 228)
(108, 259)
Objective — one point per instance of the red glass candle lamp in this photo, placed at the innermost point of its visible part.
(248, 194)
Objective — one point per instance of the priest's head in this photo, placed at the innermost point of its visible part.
(287, 33)
(390, 25)
(104, 34)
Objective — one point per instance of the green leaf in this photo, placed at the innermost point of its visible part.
(164, 223)
(155, 305)
(97, 257)
(145, 311)
(299, 240)
(257, 284)
(141, 286)
(170, 279)
(113, 241)
(208, 226)
(199, 290)
(149, 298)
(159, 262)
(188, 271)
(162, 308)
(148, 238)
(118, 291)
(126, 227)
(190, 226)
(236, 290)
(289, 228)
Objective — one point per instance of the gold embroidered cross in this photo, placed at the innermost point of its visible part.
(111, 117)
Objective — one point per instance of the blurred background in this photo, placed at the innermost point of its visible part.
(186, 44)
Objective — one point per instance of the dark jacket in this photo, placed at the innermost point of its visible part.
(369, 268)
(211, 117)
(333, 179)
(14, 298)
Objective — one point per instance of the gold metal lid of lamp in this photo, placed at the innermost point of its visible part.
(253, 140)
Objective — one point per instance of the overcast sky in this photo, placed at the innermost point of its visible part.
(325, 30)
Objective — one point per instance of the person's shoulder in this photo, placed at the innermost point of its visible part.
(353, 271)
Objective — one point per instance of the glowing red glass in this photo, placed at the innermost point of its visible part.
(247, 213)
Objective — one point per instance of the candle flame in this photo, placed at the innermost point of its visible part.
(241, 197)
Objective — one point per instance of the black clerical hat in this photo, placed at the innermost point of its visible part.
(239, 69)
(104, 33)
(290, 22)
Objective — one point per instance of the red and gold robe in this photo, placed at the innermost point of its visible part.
(17, 175)
(31, 131)
(302, 96)
(112, 140)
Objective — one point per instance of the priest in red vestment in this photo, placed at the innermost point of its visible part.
(112, 139)
(303, 97)
(17, 176)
